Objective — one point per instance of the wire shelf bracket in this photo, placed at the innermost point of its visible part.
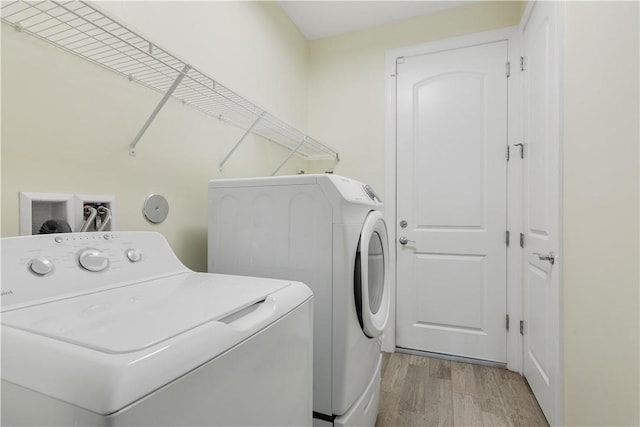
(247, 132)
(81, 28)
(289, 156)
(165, 98)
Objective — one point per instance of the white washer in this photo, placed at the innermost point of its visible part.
(112, 329)
(328, 232)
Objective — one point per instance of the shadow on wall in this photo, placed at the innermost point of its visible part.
(193, 242)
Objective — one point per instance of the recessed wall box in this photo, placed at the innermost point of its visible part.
(36, 208)
(96, 202)
(66, 209)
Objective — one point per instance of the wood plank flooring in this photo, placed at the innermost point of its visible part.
(423, 391)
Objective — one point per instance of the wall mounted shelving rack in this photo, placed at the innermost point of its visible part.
(84, 30)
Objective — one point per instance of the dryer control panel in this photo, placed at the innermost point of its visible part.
(41, 268)
(352, 190)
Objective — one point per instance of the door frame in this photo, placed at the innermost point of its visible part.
(514, 172)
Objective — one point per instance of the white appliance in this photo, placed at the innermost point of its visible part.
(328, 232)
(112, 329)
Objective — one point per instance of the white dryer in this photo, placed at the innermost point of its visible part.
(328, 232)
(112, 329)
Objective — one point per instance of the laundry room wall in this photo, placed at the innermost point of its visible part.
(601, 277)
(347, 80)
(67, 123)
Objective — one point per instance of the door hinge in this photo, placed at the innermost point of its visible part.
(522, 327)
(521, 240)
(507, 320)
(508, 153)
(508, 235)
(399, 60)
(522, 65)
(508, 69)
(521, 146)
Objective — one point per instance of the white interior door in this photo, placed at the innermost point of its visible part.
(541, 107)
(452, 193)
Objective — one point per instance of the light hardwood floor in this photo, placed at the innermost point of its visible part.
(422, 391)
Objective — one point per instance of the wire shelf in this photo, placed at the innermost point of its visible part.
(82, 29)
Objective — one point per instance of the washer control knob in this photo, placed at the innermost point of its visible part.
(134, 255)
(41, 266)
(93, 260)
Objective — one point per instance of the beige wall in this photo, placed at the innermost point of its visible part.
(347, 81)
(67, 123)
(601, 235)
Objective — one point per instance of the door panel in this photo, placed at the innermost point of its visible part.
(451, 178)
(447, 120)
(541, 181)
(455, 278)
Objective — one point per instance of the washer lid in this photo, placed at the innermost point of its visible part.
(136, 317)
(105, 350)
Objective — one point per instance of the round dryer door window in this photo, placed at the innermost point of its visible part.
(372, 268)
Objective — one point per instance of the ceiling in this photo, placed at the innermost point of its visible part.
(319, 19)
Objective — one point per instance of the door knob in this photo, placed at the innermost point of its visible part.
(403, 240)
(551, 257)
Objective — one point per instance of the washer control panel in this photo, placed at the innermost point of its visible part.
(53, 266)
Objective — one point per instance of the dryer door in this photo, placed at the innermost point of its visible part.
(371, 284)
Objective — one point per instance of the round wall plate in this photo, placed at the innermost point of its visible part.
(155, 208)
